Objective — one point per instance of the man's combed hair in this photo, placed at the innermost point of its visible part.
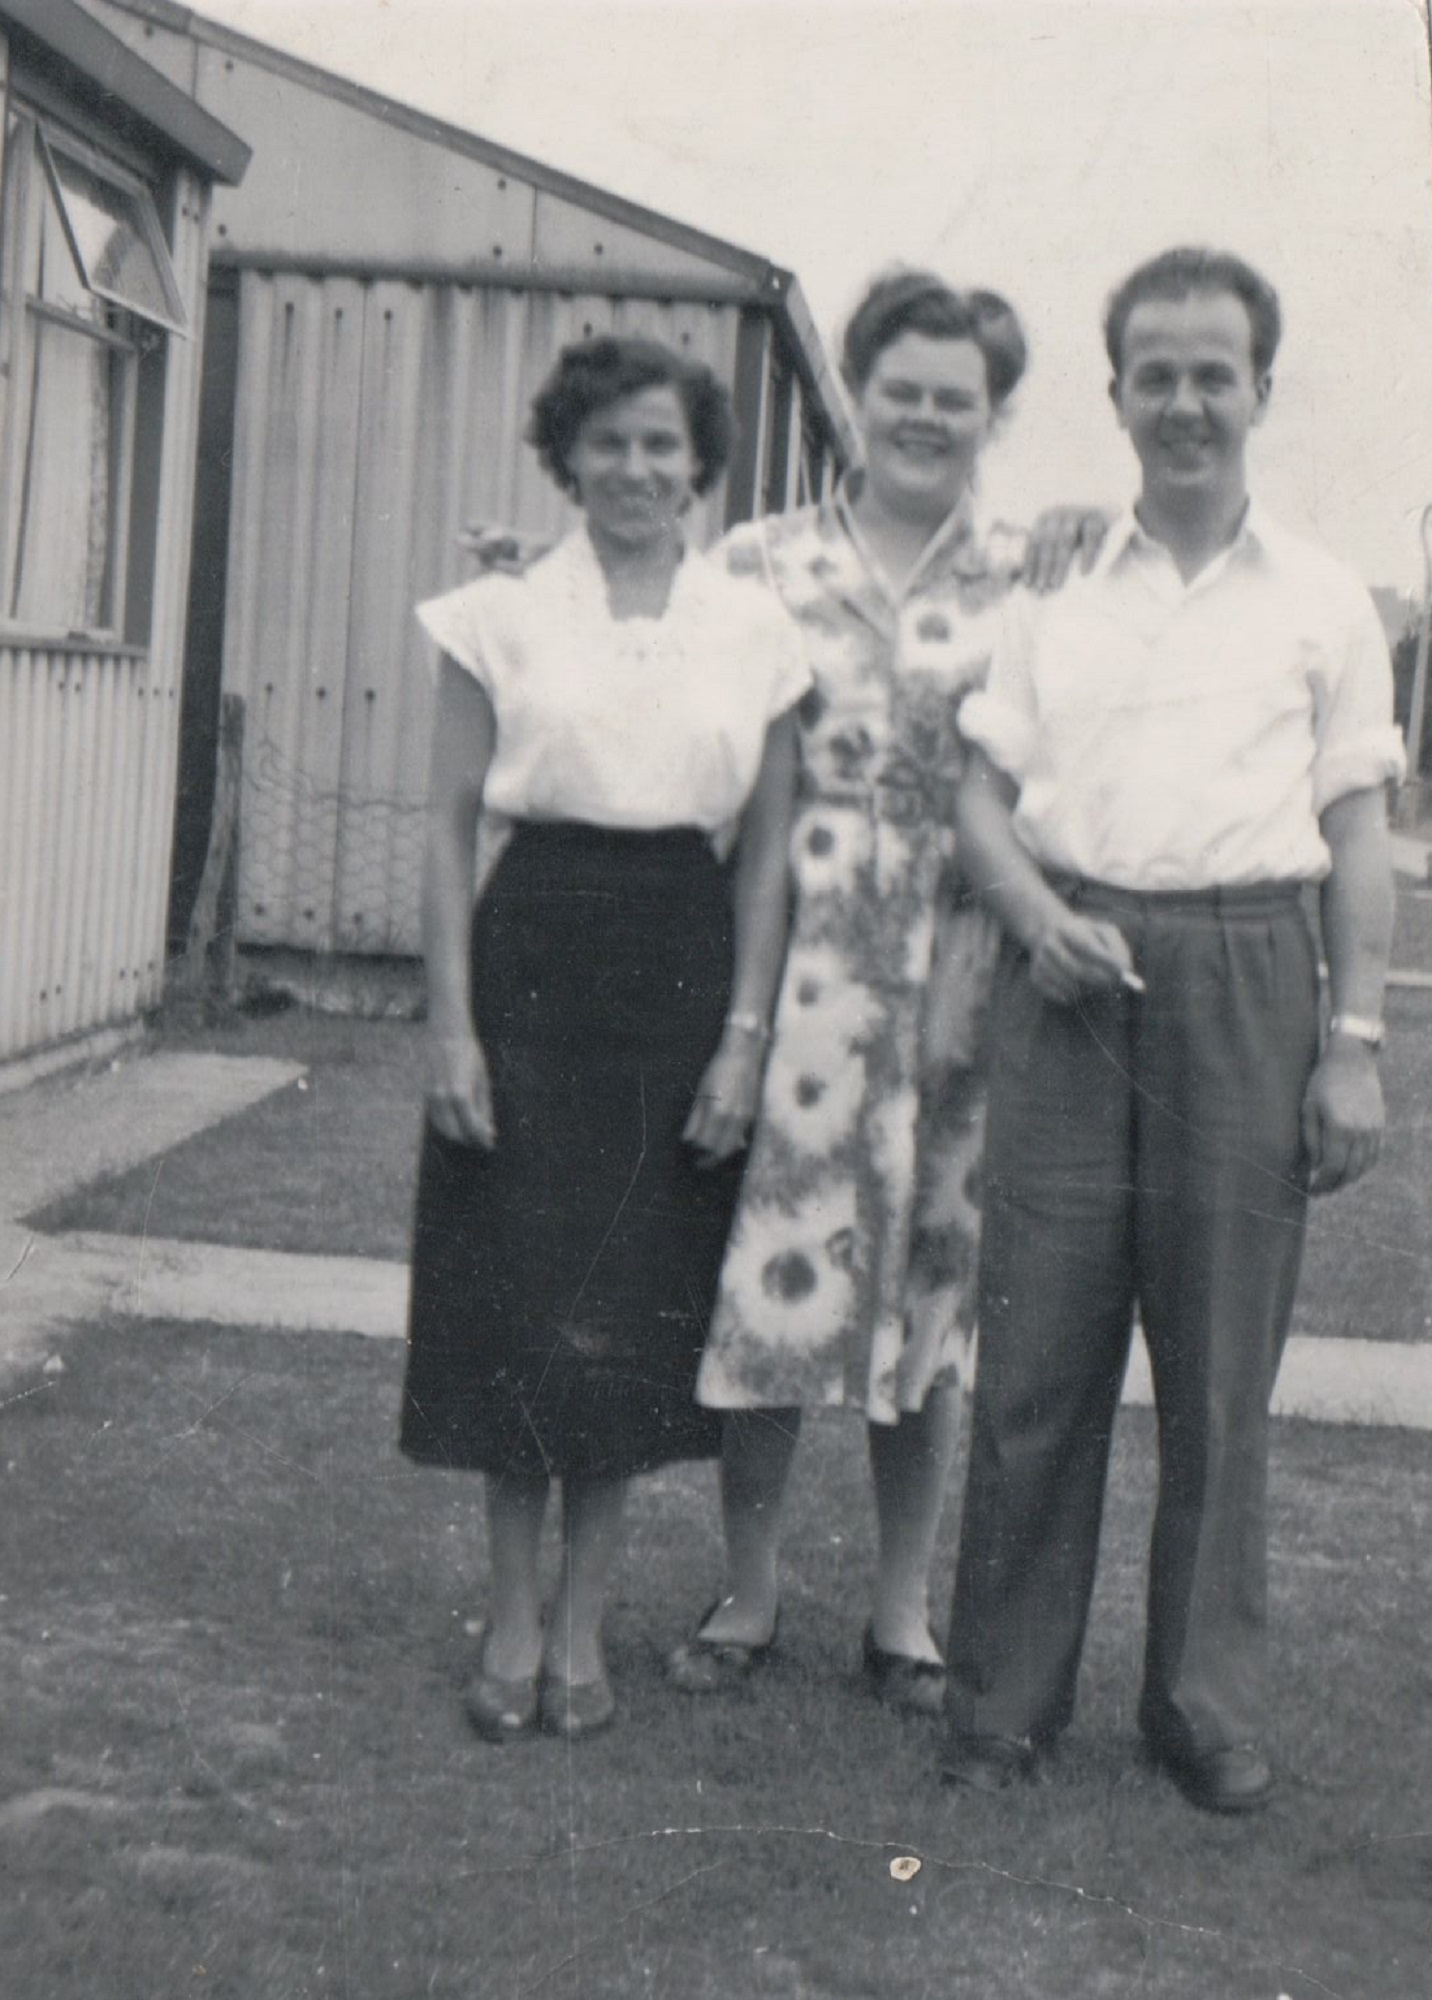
(1185, 271)
(591, 375)
(919, 302)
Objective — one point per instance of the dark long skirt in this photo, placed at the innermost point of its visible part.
(562, 1282)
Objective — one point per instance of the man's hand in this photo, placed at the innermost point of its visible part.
(1074, 954)
(495, 550)
(1342, 1117)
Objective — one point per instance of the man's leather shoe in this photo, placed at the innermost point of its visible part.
(988, 1763)
(1233, 1780)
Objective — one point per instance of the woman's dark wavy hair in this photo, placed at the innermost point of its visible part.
(1178, 274)
(919, 302)
(591, 375)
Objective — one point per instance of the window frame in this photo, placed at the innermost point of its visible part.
(126, 334)
(52, 140)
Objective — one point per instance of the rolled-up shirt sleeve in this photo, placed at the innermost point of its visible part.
(1000, 718)
(1358, 744)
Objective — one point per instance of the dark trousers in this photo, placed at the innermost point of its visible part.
(1142, 1150)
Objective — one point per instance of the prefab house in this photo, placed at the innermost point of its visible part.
(104, 205)
(386, 292)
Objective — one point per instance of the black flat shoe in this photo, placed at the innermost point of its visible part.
(1236, 1779)
(989, 1763)
(499, 1710)
(576, 1708)
(714, 1666)
(915, 1687)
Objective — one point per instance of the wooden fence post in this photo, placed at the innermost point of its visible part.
(208, 966)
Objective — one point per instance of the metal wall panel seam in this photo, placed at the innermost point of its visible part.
(36, 752)
(100, 993)
(248, 506)
(53, 872)
(391, 481)
(69, 928)
(15, 707)
(125, 817)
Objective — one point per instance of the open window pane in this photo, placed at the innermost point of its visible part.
(116, 239)
(54, 274)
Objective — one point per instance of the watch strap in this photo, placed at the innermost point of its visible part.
(1364, 1028)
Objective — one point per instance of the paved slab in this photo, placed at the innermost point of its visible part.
(57, 1281)
(60, 1134)
(1336, 1381)
(155, 1278)
(72, 1129)
(1412, 857)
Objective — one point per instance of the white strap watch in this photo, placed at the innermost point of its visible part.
(1362, 1028)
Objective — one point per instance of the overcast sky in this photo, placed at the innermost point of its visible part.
(1039, 146)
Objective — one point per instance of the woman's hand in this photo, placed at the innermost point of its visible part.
(459, 1095)
(1059, 536)
(725, 1107)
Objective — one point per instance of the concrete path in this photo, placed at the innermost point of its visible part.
(1412, 857)
(74, 1128)
(50, 1283)
(1336, 1382)
(146, 1278)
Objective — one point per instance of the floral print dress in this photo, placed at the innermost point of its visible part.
(849, 1276)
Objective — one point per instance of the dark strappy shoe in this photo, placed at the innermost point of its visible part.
(714, 1666)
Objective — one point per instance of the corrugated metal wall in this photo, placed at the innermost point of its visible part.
(88, 743)
(80, 750)
(373, 421)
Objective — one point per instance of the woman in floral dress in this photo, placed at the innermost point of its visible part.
(849, 1278)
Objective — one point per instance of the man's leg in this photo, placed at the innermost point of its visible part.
(1230, 1038)
(1055, 1307)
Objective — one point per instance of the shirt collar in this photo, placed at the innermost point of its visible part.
(580, 566)
(1257, 533)
(957, 532)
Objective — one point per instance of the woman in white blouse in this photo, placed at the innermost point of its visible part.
(596, 1022)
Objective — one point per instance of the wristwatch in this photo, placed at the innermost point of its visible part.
(1358, 1028)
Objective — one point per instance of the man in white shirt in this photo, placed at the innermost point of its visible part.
(1166, 753)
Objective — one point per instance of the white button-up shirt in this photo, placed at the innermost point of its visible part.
(1167, 735)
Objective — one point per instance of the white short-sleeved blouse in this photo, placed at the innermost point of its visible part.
(632, 722)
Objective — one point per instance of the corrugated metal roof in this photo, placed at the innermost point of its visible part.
(769, 285)
(663, 228)
(58, 35)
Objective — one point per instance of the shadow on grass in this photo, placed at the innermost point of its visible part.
(232, 1762)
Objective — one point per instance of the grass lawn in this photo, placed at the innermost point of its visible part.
(328, 1166)
(233, 1765)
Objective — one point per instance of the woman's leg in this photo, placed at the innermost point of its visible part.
(592, 1512)
(757, 1448)
(910, 1465)
(512, 1648)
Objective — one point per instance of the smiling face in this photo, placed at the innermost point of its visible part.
(1188, 394)
(924, 412)
(634, 464)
